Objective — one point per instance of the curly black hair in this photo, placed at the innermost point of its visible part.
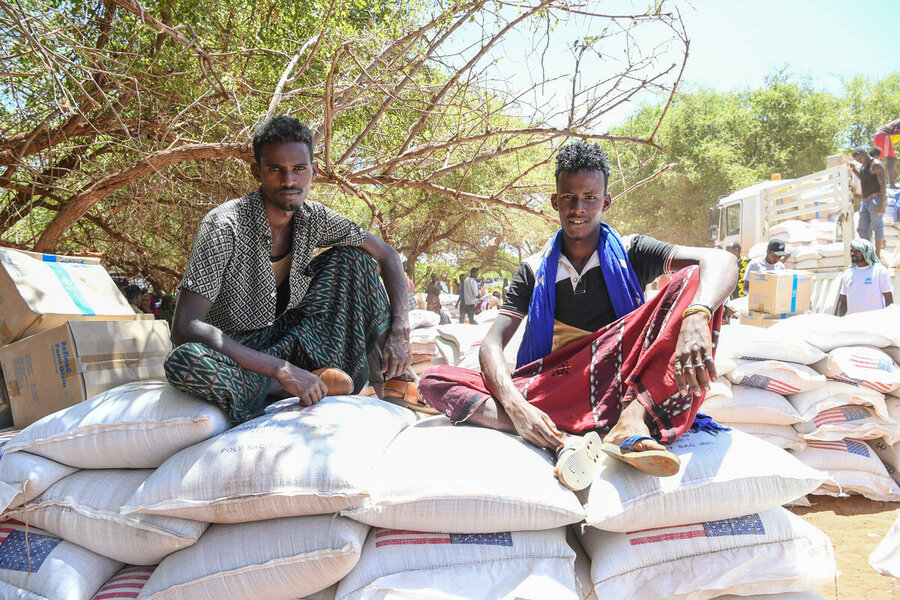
(281, 128)
(581, 155)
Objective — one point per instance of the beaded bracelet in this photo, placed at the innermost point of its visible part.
(698, 308)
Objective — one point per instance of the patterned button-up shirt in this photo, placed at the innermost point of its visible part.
(230, 266)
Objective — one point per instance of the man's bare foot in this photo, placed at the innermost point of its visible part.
(629, 442)
(631, 422)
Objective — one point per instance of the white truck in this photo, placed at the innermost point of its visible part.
(753, 215)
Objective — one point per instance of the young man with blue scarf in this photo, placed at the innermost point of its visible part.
(595, 358)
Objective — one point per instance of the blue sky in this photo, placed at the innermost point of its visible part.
(734, 44)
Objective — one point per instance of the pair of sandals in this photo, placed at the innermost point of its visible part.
(396, 391)
(576, 464)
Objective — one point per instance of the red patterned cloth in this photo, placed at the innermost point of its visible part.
(584, 385)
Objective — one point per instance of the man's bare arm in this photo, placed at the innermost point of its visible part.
(841, 308)
(530, 422)
(189, 325)
(397, 355)
(882, 186)
(888, 298)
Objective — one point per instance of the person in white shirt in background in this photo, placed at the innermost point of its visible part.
(866, 285)
(772, 261)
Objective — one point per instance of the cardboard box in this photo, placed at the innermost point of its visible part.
(780, 292)
(759, 319)
(38, 295)
(54, 369)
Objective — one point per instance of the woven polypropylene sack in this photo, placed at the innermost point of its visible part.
(278, 559)
(862, 365)
(783, 436)
(39, 566)
(776, 376)
(532, 565)
(126, 584)
(769, 552)
(460, 479)
(134, 426)
(889, 455)
(827, 332)
(295, 461)
(751, 405)
(721, 476)
(83, 508)
(834, 394)
(754, 343)
(853, 468)
(886, 557)
(855, 422)
(27, 476)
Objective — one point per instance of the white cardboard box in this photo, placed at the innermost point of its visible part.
(37, 294)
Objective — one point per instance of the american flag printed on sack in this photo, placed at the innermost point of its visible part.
(875, 363)
(5, 437)
(746, 525)
(400, 537)
(767, 383)
(125, 585)
(875, 385)
(848, 446)
(24, 548)
(841, 414)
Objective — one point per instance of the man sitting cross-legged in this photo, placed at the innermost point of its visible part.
(259, 318)
(595, 357)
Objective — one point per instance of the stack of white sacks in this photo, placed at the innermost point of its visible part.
(820, 386)
(812, 244)
(422, 335)
(145, 491)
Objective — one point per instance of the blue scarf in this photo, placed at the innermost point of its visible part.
(625, 291)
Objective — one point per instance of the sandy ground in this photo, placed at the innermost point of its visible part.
(855, 525)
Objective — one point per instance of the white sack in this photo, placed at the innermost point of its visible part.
(776, 376)
(583, 584)
(295, 461)
(834, 394)
(834, 249)
(889, 455)
(770, 552)
(26, 476)
(862, 365)
(279, 559)
(462, 479)
(720, 390)
(783, 436)
(886, 557)
(805, 253)
(856, 422)
(853, 469)
(827, 332)
(807, 595)
(126, 584)
(756, 343)
(134, 426)
(423, 318)
(721, 476)
(534, 565)
(751, 405)
(84, 509)
(45, 567)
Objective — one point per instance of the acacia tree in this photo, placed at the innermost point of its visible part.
(124, 122)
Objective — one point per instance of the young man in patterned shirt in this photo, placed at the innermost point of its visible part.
(595, 358)
(257, 318)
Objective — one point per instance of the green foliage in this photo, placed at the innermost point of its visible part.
(720, 142)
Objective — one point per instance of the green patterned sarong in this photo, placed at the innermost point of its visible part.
(337, 324)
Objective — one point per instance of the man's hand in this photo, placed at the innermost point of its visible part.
(303, 384)
(881, 206)
(694, 368)
(533, 424)
(397, 355)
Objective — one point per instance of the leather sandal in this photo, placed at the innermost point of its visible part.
(337, 382)
(406, 394)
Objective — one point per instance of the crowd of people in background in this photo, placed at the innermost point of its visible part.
(143, 301)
